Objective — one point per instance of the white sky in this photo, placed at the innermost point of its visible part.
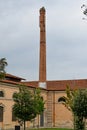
(66, 38)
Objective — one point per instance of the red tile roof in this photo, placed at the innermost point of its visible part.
(31, 83)
(10, 82)
(13, 76)
(56, 85)
(61, 85)
(17, 83)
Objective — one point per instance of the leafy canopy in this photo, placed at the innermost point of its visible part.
(68, 99)
(79, 105)
(27, 104)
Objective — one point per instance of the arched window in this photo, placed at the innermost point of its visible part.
(13, 116)
(1, 113)
(61, 99)
(1, 94)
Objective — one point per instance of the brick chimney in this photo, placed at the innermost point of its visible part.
(42, 64)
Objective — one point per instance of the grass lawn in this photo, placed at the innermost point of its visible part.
(52, 129)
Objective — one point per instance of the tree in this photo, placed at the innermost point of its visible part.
(84, 7)
(76, 102)
(27, 105)
(38, 100)
(3, 64)
(68, 99)
(39, 103)
(79, 108)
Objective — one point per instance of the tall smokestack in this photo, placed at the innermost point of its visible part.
(42, 64)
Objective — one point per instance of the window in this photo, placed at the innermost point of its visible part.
(61, 99)
(42, 119)
(13, 116)
(42, 98)
(1, 94)
(1, 113)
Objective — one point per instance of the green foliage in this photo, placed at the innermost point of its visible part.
(52, 129)
(38, 100)
(76, 101)
(79, 108)
(79, 123)
(68, 99)
(2, 75)
(24, 104)
(3, 64)
(27, 104)
(79, 105)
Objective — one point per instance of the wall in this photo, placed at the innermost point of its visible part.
(63, 117)
(7, 103)
(55, 114)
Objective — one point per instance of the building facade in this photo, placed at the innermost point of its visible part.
(55, 114)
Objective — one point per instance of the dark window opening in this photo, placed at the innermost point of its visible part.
(1, 114)
(13, 116)
(1, 94)
(42, 119)
(61, 99)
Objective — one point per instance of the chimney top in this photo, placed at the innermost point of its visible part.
(42, 9)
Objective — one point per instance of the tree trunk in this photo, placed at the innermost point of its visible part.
(24, 125)
(38, 121)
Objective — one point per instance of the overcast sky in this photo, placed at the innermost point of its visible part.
(66, 38)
